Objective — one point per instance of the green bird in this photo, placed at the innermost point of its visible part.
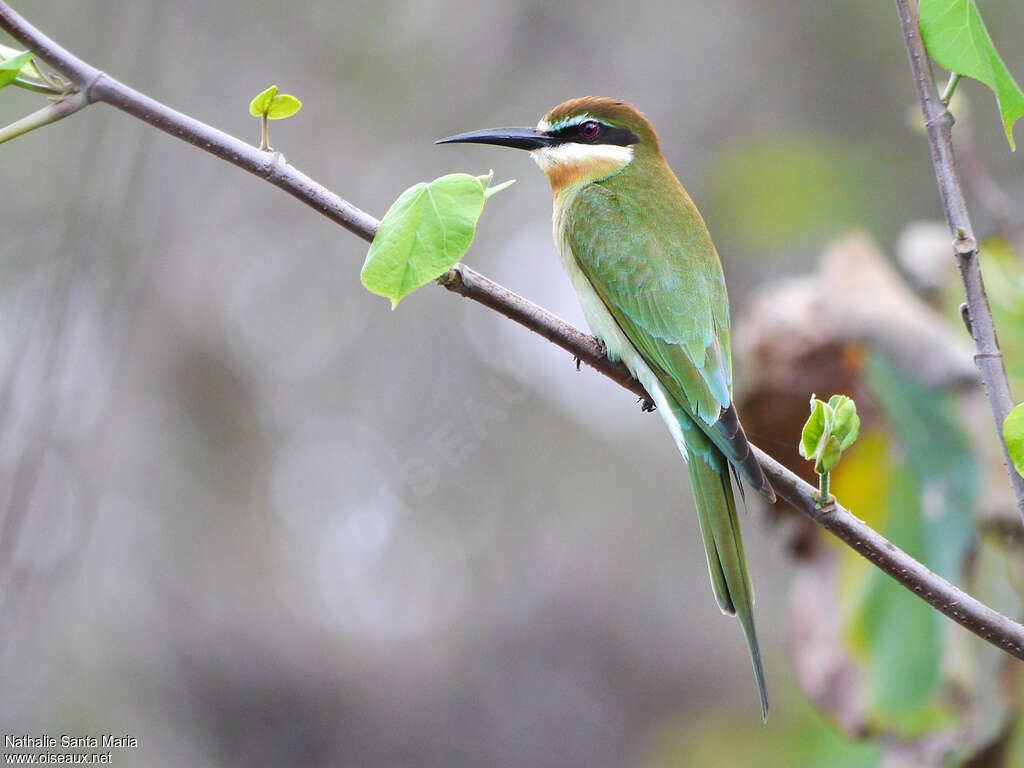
(651, 287)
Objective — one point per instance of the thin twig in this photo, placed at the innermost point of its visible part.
(51, 113)
(969, 613)
(945, 597)
(939, 122)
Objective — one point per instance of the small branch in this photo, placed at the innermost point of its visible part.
(965, 610)
(950, 89)
(938, 123)
(51, 113)
(969, 613)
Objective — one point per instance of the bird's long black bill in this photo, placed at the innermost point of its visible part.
(519, 138)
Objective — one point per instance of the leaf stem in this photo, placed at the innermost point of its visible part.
(264, 133)
(51, 113)
(823, 491)
(28, 85)
(947, 92)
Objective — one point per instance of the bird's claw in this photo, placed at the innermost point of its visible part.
(646, 406)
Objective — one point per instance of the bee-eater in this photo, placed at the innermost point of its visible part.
(652, 290)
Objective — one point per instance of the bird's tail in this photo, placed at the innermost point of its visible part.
(723, 543)
(727, 433)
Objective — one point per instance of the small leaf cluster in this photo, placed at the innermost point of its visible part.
(831, 429)
(425, 232)
(273, 105)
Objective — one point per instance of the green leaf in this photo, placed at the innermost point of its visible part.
(956, 37)
(1013, 434)
(282, 106)
(814, 428)
(829, 456)
(831, 428)
(273, 105)
(845, 422)
(30, 69)
(10, 68)
(261, 104)
(423, 235)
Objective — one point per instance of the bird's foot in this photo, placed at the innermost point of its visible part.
(602, 351)
(646, 406)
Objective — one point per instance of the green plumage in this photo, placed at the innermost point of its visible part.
(644, 248)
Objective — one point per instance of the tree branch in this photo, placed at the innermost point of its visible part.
(945, 597)
(939, 123)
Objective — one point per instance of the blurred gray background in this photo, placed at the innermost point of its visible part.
(251, 516)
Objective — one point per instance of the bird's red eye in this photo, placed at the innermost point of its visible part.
(589, 129)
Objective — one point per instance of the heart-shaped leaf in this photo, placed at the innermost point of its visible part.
(423, 235)
(956, 37)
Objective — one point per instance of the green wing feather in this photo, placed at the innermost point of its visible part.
(652, 262)
(656, 270)
(664, 286)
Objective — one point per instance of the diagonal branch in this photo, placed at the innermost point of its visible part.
(942, 595)
(939, 123)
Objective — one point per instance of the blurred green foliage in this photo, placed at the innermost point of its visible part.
(920, 492)
(792, 191)
(1004, 284)
(799, 735)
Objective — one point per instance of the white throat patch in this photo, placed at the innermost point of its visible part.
(591, 161)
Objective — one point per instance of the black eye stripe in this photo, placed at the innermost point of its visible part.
(605, 134)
